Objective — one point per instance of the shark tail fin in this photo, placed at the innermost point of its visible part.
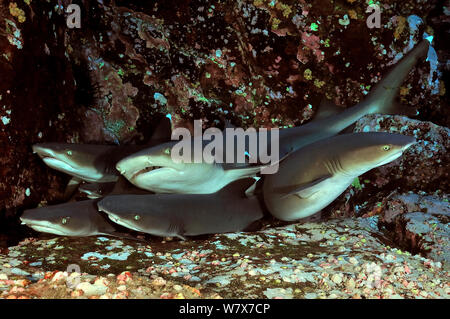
(383, 98)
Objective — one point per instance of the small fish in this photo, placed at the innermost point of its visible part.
(99, 190)
(183, 215)
(314, 176)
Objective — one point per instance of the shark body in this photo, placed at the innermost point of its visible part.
(79, 219)
(185, 215)
(314, 176)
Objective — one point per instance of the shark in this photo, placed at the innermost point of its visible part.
(96, 190)
(154, 169)
(315, 175)
(93, 163)
(78, 219)
(180, 215)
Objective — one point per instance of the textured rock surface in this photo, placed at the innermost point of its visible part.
(257, 63)
(336, 259)
(420, 224)
(424, 166)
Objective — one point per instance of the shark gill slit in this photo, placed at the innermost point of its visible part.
(339, 167)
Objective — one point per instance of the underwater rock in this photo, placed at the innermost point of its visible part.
(420, 223)
(337, 259)
(424, 167)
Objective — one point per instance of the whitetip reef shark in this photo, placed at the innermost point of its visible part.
(153, 168)
(180, 215)
(99, 190)
(314, 176)
(91, 162)
(77, 219)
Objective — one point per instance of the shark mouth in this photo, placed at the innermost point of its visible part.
(391, 158)
(56, 163)
(39, 227)
(147, 170)
(121, 222)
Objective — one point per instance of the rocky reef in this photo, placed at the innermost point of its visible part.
(259, 63)
(348, 258)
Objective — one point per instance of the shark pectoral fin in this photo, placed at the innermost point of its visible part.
(181, 237)
(96, 190)
(122, 235)
(238, 187)
(398, 107)
(243, 172)
(71, 187)
(326, 109)
(238, 172)
(304, 190)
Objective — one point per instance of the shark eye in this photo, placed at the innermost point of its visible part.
(64, 220)
(167, 151)
(69, 153)
(137, 217)
(386, 147)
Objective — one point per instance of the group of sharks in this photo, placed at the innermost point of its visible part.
(143, 189)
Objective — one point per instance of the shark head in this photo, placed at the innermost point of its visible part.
(365, 151)
(78, 160)
(69, 219)
(125, 210)
(154, 169)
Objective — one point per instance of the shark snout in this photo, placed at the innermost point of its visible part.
(41, 150)
(31, 220)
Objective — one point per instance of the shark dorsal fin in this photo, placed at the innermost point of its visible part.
(304, 190)
(237, 188)
(163, 131)
(228, 124)
(326, 108)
